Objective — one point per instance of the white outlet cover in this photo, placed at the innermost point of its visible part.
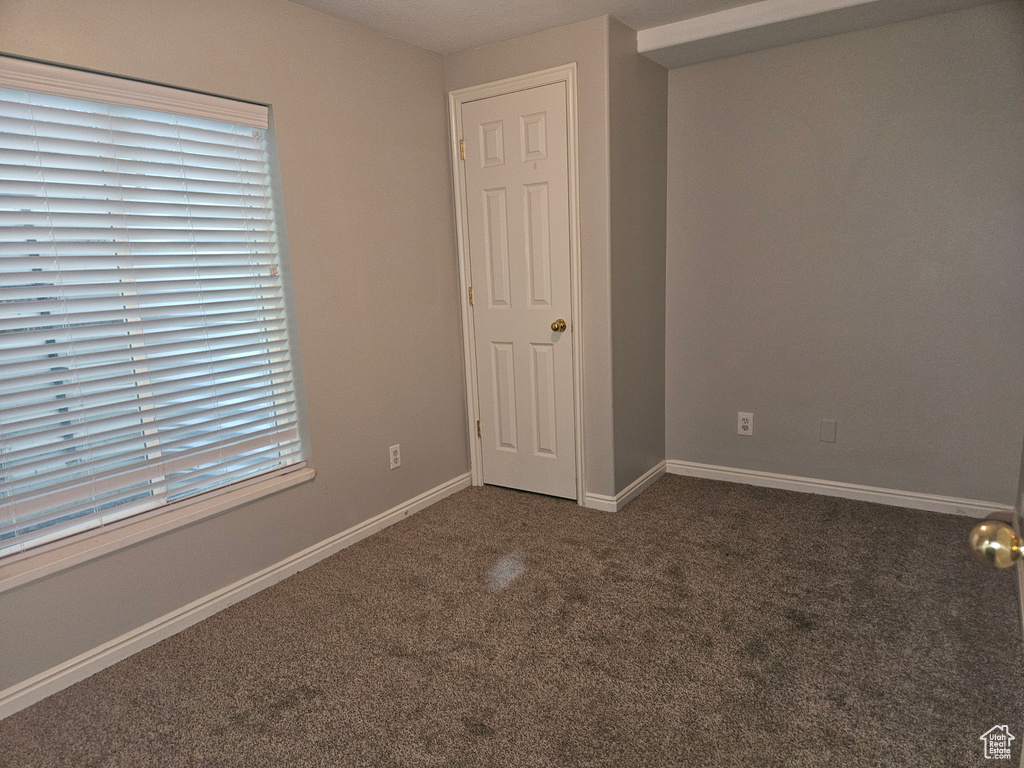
(744, 424)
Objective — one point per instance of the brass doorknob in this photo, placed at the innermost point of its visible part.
(559, 326)
(996, 544)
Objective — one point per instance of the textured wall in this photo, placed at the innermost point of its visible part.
(360, 122)
(844, 241)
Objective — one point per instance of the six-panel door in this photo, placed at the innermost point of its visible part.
(517, 195)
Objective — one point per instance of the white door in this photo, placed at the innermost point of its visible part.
(517, 202)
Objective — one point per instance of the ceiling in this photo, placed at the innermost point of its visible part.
(673, 33)
(447, 26)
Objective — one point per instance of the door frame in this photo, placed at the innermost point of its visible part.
(562, 74)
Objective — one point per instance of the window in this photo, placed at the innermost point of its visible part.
(145, 348)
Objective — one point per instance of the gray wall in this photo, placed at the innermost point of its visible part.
(844, 240)
(585, 43)
(638, 97)
(360, 122)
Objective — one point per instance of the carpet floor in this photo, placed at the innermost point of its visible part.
(707, 624)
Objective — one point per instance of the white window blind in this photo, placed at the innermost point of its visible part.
(144, 341)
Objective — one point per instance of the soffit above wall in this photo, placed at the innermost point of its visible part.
(772, 23)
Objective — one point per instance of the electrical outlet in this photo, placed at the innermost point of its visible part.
(396, 457)
(744, 423)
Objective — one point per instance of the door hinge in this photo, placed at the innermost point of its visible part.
(478, 432)
(462, 148)
(471, 296)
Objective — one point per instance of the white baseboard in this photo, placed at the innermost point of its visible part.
(947, 504)
(23, 694)
(622, 498)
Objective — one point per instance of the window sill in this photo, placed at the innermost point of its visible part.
(25, 568)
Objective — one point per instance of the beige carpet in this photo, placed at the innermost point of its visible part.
(707, 624)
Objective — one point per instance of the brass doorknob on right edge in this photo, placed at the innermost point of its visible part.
(996, 544)
(559, 326)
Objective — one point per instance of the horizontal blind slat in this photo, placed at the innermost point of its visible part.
(220, 323)
(249, 187)
(153, 370)
(222, 196)
(35, 208)
(44, 112)
(27, 223)
(59, 126)
(37, 415)
(125, 445)
(141, 275)
(116, 336)
(227, 370)
(142, 315)
(61, 437)
(137, 249)
(176, 153)
(120, 503)
(43, 162)
(259, 261)
(182, 232)
(41, 312)
(130, 291)
(152, 357)
(61, 498)
(59, 488)
(257, 462)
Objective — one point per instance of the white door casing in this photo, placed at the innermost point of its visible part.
(518, 234)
